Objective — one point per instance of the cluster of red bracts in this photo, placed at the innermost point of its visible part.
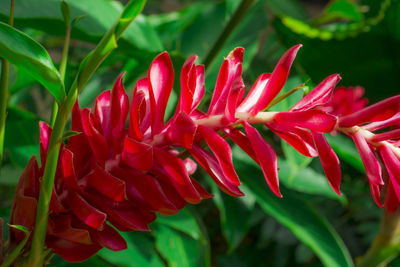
(110, 177)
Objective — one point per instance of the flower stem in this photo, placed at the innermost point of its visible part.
(86, 70)
(227, 31)
(386, 244)
(62, 69)
(46, 187)
(5, 69)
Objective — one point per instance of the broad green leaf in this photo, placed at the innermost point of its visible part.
(295, 214)
(9, 175)
(140, 252)
(346, 150)
(307, 180)
(101, 14)
(21, 136)
(179, 249)
(235, 216)
(183, 221)
(26, 53)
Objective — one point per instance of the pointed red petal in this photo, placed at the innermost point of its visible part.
(119, 113)
(107, 184)
(255, 93)
(182, 130)
(176, 172)
(373, 126)
(200, 89)
(137, 109)
(319, 96)
(229, 75)
(86, 212)
(150, 191)
(111, 239)
(211, 166)
(242, 141)
(69, 174)
(392, 164)
(395, 134)
(380, 111)
(276, 81)
(300, 139)
(316, 120)
(371, 164)
(71, 251)
(161, 77)
(137, 155)
(266, 157)
(102, 112)
(60, 226)
(45, 134)
(188, 85)
(376, 194)
(222, 151)
(330, 161)
(96, 139)
(202, 192)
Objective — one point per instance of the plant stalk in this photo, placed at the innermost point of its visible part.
(86, 70)
(234, 21)
(5, 69)
(386, 244)
(62, 69)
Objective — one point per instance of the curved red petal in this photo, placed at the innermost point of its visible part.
(380, 111)
(371, 164)
(330, 161)
(211, 166)
(266, 157)
(319, 95)
(161, 78)
(316, 120)
(222, 151)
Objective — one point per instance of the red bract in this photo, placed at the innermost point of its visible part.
(110, 178)
(359, 122)
(346, 101)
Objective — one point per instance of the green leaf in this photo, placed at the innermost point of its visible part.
(182, 221)
(179, 249)
(9, 175)
(140, 252)
(295, 214)
(26, 53)
(21, 136)
(69, 134)
(235, 216)
(140, 37)
(307, 180)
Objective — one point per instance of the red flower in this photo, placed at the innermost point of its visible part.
(345, 101)
(111, 177)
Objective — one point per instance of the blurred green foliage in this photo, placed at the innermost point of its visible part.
(311, 225)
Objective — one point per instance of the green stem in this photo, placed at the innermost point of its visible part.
(86, 70)
(386, 244)
(234, 21)
(5, 69)
(62, 69)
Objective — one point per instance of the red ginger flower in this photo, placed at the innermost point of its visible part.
(360, 126)
(345, 101)
(109, 176)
